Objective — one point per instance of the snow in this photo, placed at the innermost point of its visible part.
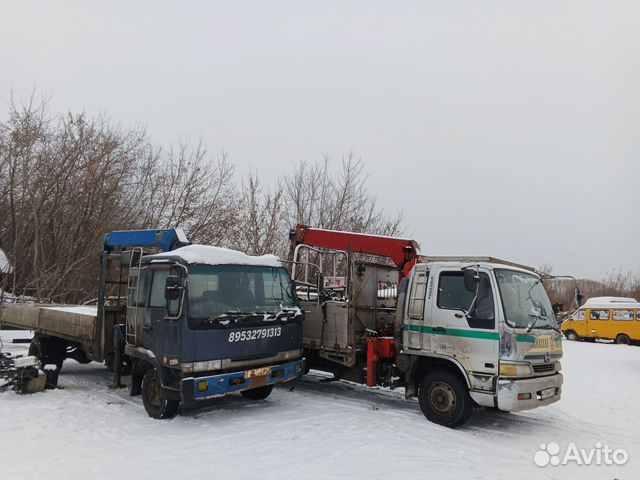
(91, 311)
(208, 255)
(317, 430)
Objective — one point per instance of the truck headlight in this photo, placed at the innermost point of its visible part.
(202, 366)
(206, 366)
(515, 369)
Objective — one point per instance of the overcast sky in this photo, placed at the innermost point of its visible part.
(505, 128)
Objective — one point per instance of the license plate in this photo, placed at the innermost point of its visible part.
(257, 372)
(547, 392)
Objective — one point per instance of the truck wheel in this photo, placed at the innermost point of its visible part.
(623, 339)
(259, 393)
(444, 399)
(573, 336)
(155, 398)
(48, 350)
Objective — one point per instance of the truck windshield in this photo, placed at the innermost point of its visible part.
(233, 290)
(525, 301)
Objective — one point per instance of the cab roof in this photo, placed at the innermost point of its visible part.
(492, 262)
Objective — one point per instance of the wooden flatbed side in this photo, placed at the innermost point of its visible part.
(74, 323)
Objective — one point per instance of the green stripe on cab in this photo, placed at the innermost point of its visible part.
(453, 332)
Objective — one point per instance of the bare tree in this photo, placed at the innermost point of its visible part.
(318, 196)
(187, 188)
(261, 227)
(66, 181)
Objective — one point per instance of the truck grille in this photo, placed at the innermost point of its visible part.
(544, 367)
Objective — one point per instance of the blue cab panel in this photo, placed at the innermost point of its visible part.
(166, 240)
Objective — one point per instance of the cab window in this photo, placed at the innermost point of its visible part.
(599, 315)
(156, 297)
(453, 296)
(623, 315)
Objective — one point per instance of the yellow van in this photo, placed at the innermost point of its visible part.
(608, 318)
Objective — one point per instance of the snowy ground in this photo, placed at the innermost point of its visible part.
(317, 430)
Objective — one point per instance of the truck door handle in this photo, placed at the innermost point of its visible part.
(438, 330)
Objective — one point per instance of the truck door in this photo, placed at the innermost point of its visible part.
(415, 335)
(162, 335)
(461, 330)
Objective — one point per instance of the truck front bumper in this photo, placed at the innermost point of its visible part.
(524, 394)
(202, 388)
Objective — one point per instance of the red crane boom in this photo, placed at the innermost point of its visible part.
(402, 252)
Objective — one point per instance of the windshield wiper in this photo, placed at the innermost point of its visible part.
(537, 317)
(231, 315)
(237, 316)
(283, 312)
(533, 322)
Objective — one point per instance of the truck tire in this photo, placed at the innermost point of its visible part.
(49, 350)
(154, 397)
(444, 398)
(571, 335)
(259, 393)
(623, 339)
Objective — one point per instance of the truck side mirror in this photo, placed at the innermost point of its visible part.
(471, 279)
(172, 288)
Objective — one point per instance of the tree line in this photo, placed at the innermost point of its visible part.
(67, 180)
(616, 284)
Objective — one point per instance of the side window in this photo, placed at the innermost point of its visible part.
(579, 315)
(599, 315)
(138, 296)
(158, 282)
(623, 315)
(638, 315)
(453, 296)
(451, 292)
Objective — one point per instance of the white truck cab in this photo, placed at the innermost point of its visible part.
(490, 319)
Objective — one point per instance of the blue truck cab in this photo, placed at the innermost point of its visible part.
(203, 321)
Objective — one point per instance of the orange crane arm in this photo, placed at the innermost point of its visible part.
(402, 252)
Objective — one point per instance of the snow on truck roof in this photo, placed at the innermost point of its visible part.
(208, 255)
